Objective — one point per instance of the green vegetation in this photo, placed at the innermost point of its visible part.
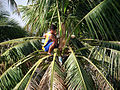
(9, 28)
(91, 57)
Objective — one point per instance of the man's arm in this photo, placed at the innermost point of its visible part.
(52, 37)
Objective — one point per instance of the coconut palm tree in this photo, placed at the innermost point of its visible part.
(9, 28)
(89, 46)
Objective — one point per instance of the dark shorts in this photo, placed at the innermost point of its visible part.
(47, 47)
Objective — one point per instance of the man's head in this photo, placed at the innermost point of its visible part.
(53, 29)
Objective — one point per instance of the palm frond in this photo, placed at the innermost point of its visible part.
(77, 77)
(101, 43)
(99, 78)
(104, 54)
(36, 66)
(80, 47)
(21, 50)
(52, 71)
(59, 19)
(14, 5)
(4, 46)
(108, 60)
(53, 78)
(10, 78)
(9, 32)
(36, 15)
(14, 74)
(9, 28)
(19, 40)
(100, 23)
(97, 23)
(58, 78)
(100, 58)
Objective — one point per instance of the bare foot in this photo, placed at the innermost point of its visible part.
(49, 53)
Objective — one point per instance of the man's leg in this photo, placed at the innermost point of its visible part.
(51, 48)
(47, 47)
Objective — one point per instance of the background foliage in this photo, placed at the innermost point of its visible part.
(91, 59)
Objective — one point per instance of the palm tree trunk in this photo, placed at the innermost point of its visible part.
(62, 40)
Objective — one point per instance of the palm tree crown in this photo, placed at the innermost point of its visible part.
(90, 58)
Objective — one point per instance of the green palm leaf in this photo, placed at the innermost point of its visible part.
(36, 15)
(101, 43)
(19, 40)
(10, 78)
(104, 54)
(14, 74)
(97, 23)
(52, 71)
(77, 77)
(9, 28)
(98, 16)
(36, 66)
(21, 50)
(102, 82)
(53, 77)
(107, 60)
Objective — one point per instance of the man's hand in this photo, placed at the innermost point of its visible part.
(44, 35)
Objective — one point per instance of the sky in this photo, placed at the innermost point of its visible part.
(15, 16)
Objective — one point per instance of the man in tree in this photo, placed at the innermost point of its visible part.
(50, 40)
